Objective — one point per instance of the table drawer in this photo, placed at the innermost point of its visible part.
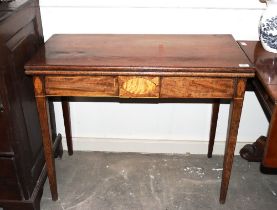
(81, 86)
(196, 87)
(139, 87)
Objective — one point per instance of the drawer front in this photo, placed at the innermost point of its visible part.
(139, 87)
(81, 86)
(9, 187)
(196, 87)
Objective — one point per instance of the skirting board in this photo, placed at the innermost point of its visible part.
(148, 146)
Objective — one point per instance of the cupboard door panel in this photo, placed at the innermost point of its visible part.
(9, 188)
(5, 138)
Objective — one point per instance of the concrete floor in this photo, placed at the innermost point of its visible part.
(130, 181)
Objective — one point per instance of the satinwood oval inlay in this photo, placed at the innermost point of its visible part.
(139, 86)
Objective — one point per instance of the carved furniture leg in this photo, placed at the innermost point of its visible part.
(43, 110)
(67, 124)
(215, 110)
(270, 155)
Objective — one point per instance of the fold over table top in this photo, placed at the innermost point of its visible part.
(153, 54)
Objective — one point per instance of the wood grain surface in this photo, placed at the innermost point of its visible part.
(139, 87)
(196, 87)
(81, 86)
(119, 54)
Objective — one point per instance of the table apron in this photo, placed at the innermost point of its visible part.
(140, 86)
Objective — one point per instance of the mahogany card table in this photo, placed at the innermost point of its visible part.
(140, 66)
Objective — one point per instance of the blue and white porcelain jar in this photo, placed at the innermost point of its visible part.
(268, 27)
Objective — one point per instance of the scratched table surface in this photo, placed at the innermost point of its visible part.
(140, 52)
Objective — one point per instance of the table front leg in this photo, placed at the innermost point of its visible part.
(43, 111)
(233, 126)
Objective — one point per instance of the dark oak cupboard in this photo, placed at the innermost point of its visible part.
(22, 164)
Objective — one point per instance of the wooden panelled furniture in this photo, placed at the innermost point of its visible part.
(141, 66)
(265, 86)
(22, 164)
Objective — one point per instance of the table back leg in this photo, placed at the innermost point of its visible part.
(67, 124)
(215, 110)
